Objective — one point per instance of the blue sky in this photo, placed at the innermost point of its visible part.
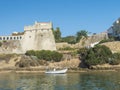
(70, 15)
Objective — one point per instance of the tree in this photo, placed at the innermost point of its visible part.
(57, 34)
(30, 53)
(69, 39)
(80, 34)
(115, 60)
(100, 54)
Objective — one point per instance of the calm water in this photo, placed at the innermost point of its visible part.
(70, 81)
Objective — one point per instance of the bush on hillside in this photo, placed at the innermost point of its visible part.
(106, 40)
(98, 55)
(115, 60)
(82, 52)
(46, 55)
(67, 48)
(30, 53)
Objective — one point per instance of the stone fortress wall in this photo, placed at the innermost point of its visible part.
(39, 37)
(85, 42)
(36, 37)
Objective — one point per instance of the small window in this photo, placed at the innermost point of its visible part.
(17, 38)
(10, 38)
(14, 38)
(3, 38)
(20, 37)
(7, 38)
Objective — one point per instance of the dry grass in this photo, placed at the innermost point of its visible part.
(114, 46)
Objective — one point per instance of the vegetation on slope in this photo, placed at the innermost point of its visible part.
(98, 55)
(45, 55)
(27, 61)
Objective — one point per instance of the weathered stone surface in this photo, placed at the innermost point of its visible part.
(84, 42)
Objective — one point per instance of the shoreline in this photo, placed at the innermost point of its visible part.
(31, 70)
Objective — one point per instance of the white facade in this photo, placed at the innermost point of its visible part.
(5, 38)
(114, 30)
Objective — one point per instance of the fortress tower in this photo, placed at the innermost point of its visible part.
(38, 37)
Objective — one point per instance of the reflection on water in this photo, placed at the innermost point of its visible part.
(71, 81)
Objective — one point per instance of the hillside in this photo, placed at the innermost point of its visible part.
(114, 46)
(14, 61)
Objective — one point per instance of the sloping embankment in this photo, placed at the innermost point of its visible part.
(114, 46)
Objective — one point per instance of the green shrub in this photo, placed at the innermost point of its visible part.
(46, 55)
(106, 40)
(66, 48)
(30, 52)
(56, 56)
(115, 60)
(100, 54)
(83, 53)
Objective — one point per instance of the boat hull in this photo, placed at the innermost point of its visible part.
(57, 71)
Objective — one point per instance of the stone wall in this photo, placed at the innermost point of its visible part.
(84, 42)
(38, 40)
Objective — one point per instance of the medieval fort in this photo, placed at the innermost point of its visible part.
(39, 36)
(35, 37)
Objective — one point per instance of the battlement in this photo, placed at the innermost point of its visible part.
(39, 26)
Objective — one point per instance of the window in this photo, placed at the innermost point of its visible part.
(10, 38)
(14, 38)
(3, 38)
(7, 38)
(20, 37)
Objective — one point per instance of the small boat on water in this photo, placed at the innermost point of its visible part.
(57, 71)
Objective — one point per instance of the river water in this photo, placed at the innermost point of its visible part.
(69, 81)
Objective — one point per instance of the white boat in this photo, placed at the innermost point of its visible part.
(57, 71)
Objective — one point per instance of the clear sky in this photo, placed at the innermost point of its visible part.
(70, 15)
